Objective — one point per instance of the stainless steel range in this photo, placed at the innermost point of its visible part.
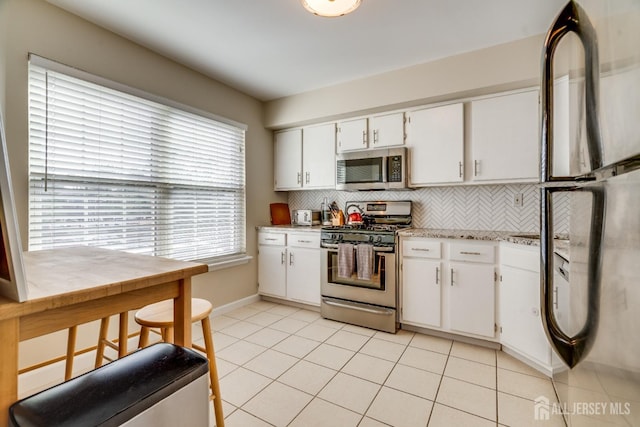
(359, 278)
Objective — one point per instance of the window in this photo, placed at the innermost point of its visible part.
(115, 168)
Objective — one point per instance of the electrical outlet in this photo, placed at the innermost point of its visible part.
(517, 200)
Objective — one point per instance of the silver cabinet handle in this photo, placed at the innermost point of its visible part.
(299, 178)
(555, 297)
(460, 169)
(420, 249)
(290, 258)
(476, 163)
(375, 136)
(469, 253)
(281, 257)
(307, 177)
(364, 137)
(452, 277)
(304, 241)
(437, 275)
(271, 239)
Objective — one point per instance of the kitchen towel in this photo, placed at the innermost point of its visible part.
(365, 261)
(345, 260)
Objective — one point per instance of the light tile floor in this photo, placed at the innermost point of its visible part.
(283, 366)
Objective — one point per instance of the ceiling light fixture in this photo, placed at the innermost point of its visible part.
(331, 8)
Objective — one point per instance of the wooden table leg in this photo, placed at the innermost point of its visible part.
(9, 331)
(182, 314)
(123, 334)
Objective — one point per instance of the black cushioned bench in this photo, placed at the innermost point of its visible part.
(113, 393)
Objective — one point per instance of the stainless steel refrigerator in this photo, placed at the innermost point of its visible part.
(595, 46)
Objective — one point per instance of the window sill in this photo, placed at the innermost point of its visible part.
(227, 262)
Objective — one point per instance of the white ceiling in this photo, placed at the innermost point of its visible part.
(275, 48)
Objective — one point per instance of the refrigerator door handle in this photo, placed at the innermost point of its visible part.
(571, 349)
(572, 19)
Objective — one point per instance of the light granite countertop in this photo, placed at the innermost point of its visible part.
(289, 227)
(561, 242)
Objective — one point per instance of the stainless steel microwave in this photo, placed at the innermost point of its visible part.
(372, 170)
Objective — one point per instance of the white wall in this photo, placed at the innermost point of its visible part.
(38, 27)
(504, 67)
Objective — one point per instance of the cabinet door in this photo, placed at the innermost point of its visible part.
(504, 137)
(303, 275)
(288, 160)
(319, 156)
(619, 112)
(520, 320)
(386, 130)
(435, 139)
(421, 281)
(472, 298)
(352, 135)
(272, 269)
(561, 129)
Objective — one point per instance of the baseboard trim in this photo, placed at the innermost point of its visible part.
(234, 305)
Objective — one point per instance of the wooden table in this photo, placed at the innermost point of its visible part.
(77, 285)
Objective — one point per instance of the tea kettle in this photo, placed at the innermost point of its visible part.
(354, 214)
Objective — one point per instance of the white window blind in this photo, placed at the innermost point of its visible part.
(119, 171)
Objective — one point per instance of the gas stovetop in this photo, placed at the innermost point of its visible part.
(380, 221)
(363, 228)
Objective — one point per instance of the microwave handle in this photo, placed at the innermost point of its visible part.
(385, 168)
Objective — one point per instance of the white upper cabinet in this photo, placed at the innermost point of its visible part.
(435, 142)
(319, 156)
(386, 130)
(305, 158)
(619, 111)
(352, 135)
(378, 131)
(504, 137)
(288, 160)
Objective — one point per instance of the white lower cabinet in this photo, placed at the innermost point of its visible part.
(441, 289)
(272, 267)
(289, 266)
(472, 298)
(521, 330)
(421, 297)
(303, 268)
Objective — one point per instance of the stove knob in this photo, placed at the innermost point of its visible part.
(379, 239)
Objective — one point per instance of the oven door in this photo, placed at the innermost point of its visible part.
(380, 290)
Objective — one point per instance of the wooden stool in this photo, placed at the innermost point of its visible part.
(160, 315)
(103, 342)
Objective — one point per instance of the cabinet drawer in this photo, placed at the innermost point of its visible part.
(526, 258)
(304, 240)
(421, 249)
(471, 252)
(271, 239)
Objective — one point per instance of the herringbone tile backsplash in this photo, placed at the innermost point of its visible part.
(477, 207)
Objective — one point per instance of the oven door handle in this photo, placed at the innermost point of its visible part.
(359, 308)
(383, 249)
